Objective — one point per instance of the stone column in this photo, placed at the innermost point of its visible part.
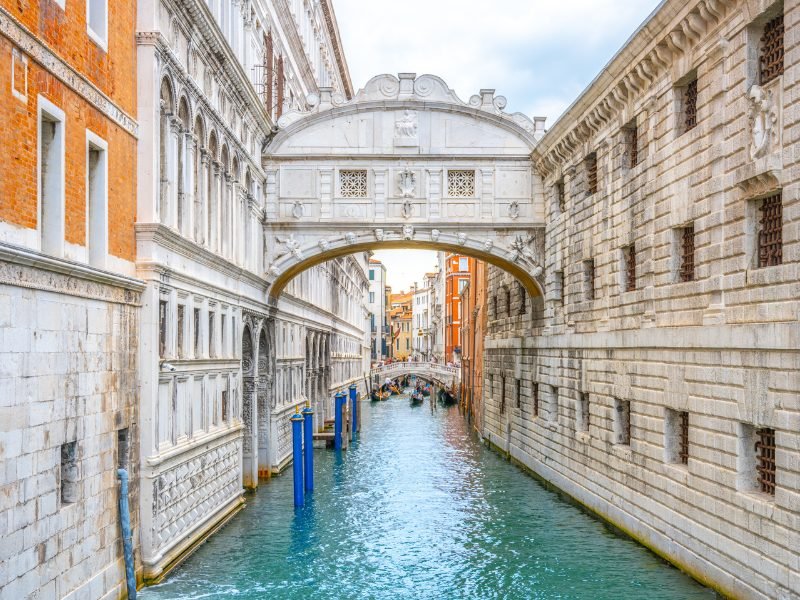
(190, 148)
(174, 139)
(201, 199)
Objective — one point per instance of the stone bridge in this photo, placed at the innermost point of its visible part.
(405, 164)
(443, 374)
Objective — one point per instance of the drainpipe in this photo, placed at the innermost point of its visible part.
(125, 523)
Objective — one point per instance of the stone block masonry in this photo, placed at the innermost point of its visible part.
(664, 353)
(68, 408)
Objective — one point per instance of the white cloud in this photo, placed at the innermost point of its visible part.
(539, 54)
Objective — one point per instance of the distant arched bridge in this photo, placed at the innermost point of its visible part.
(444, 374)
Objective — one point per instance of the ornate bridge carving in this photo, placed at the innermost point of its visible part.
(404, 164)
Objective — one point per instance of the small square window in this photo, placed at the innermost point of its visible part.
(68, 474)
(518, 393)
(629, 265)
(535, 396)
(622, 422)
(630, 135)
(676, 437)
(353, 183)
(591, 173)
(461, 184)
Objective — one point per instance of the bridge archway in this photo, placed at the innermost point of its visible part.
(405, 164)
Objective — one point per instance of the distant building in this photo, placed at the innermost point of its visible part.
(422, 314)
(457, 274)
(400, 320)
(377, 306)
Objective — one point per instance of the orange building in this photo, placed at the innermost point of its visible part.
(67, 178)
(473, 332)
(69, 308)
(457, 274)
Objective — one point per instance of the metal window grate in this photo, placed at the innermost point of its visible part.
(770, 233)
(502, 394)
(632, 145)
(591, 173)
(519, 394)
(683, 449)
(771, 58)
(535, 394)
(690, 106)
(626, 422)
(588, 269)
(630, 268)
(281, 83)
(687, 254)
(560, 196)
(584, 412)
(765, 447)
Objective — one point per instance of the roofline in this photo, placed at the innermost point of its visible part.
(338, 47)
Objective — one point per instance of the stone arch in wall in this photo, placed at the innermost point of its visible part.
(249, 414)
(265, 397)
(404, 164)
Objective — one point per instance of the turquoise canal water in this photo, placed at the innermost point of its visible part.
(419, 509)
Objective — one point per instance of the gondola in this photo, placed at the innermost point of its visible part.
(426, 391)
(417, 398)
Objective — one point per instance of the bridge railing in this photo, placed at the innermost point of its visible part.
(444, 372)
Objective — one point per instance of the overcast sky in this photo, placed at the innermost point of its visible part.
(539, 54)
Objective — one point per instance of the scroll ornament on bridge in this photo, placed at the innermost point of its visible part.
(292, 247)
(408, 232)
(521, 249)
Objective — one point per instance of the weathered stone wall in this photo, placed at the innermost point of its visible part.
(67, 375)
(722, 346)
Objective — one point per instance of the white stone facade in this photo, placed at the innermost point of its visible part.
(221, 366)
(608, 370)
(380, 339)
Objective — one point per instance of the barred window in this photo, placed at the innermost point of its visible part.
(582, 416)
(535, 395)
(686, 271)
(629, 258)
(690, 105)
(502, 394)
(622, 421)
(683, 437)
(770, 231)
(631, 141)
(591, 173)
(765, 449)
(461, 184)
(519, 393)
(770, 60)
(560, 196)
(353, 183)
(588, 278)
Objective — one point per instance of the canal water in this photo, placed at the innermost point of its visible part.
(418, 508)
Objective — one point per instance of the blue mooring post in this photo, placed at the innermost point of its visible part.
(354, 404)
(308, 433)
(297, 458)
(127, 544)
(337, 425)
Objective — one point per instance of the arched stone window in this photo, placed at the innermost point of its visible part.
(182, 160)
(165, 151)
(212, 180)
(200, 156)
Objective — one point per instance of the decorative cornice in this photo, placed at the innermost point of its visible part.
(673, 30)
(338, 52)
(22, 267)
(54, 64)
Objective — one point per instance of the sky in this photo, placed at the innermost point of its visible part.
(539, 54)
